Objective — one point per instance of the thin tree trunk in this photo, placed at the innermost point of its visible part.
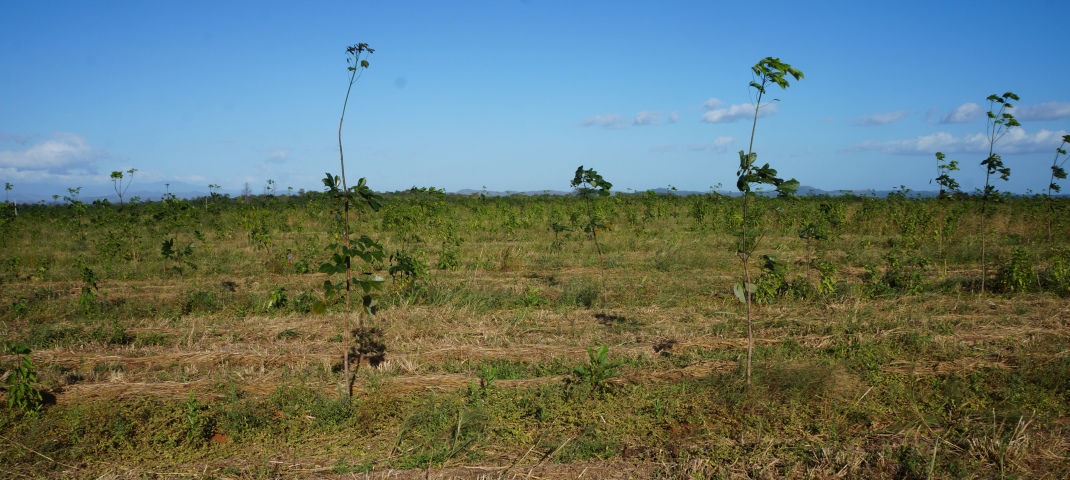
(745, 256)
(347, 334)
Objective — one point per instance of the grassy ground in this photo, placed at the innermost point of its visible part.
(877, 355)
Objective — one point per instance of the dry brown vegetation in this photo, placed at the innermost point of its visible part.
(894, 367)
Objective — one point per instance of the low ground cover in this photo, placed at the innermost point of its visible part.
(177, 338)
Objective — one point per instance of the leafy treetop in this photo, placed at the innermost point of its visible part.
(588, 182)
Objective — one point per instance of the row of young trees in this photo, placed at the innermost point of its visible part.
(772, 71)
(354, 258)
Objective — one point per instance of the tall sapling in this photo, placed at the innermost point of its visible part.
(588, 184)
(7, 188)
(767, 72)
(366, 249)
(1000, 121)
(117, 183)
(1057, 172)
(948, 185)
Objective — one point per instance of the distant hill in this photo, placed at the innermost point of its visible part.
(803, 191)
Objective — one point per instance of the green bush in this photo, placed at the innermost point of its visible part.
(580, 293)
(22, 393)
(1017, 276)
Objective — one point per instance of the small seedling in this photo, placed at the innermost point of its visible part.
(179, 257)
(88, 298)
(811, 233)
(278, 298)
(596, 374)
(22, 393)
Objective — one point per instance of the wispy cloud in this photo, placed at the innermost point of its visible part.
(647, 118)
(606, 120)
(733, 112)
(277, 156)
(712, 103)
(876, 119)
(1016, 141)
(63, 153)
(1043, 111)
(720, 144)
(964, 113)
(654, 118)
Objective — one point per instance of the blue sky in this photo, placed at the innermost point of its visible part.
(514, 95)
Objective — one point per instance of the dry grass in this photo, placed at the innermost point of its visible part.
(849, 385)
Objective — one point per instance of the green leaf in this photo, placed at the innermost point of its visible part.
(787, 188)
(16, 348)
(319, 307)
(740, 294)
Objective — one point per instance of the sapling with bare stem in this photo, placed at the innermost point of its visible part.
(7, 188)
(949, 188)
(211, 193)
(117, 183)
(1000, 121)
(769, 71)
(1057, 173)
(366, 249)
(588, 184)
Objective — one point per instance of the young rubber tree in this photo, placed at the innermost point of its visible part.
(211, 193)
(948, 186)
(117, 183)
(1000, 121)
(588, 184)
(7, 188)
(768, 72)
(1057, 173)
(364, 249)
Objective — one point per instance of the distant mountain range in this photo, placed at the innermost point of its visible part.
(802, 191)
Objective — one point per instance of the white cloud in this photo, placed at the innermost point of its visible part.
(654, 118)
(64, 153)
(963, 113)
(607, 120)
(647, 118)
(879, 118)
(720, 145)
(1043, 111)
(277, 156)
(712, 103)
(736, 112)
(1015, 141)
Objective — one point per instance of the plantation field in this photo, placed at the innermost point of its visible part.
(180, 338)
